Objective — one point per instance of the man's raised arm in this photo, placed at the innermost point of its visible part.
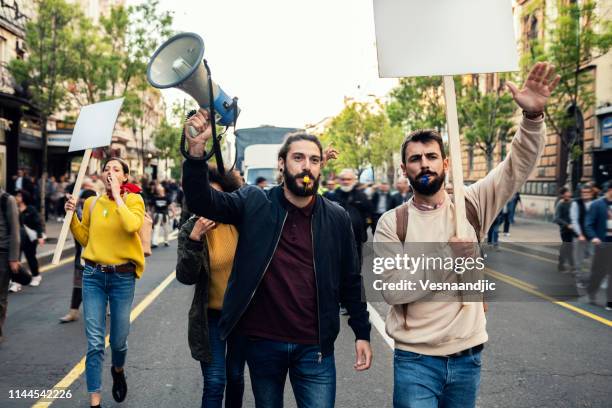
(201, 198)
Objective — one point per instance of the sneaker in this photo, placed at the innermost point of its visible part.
(15, 287)
(153, 246)
(35, 280)
(166, 244)
(119, 385)
(506, 234)
(609, 306)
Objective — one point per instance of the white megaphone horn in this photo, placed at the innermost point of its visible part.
(178, 63)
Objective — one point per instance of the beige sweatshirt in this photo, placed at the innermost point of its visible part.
(442, 328)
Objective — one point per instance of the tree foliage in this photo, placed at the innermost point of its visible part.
(364, 136)
(485, 116)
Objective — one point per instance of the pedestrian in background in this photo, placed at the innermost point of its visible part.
(381, 203)
(563, 219)
(32, 233)
(598, 228)
(79, 265)
(161, 216)
(582, 247)
(261, 182)
(205, 257)
(9, 249)
(403, 193)
(509, 212)
(114, 258)
(356, 204)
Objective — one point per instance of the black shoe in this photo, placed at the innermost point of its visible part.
(166, 244)
(609, 306)
(153, 246)
(119, 385)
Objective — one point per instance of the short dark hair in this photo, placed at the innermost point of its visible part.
(229, 181)
(296, 137)
(422, 136)
(260, 180)
(563, 190)
(25, 197)
(124, 165)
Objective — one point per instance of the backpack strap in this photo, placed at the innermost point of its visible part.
(473, 218)
(401, 222)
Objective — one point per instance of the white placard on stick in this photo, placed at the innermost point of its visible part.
(444, 37)
(94, 128)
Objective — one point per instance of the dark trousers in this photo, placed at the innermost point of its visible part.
(566, 253)
(600, 268)
(29, 249)
(375, 218)
(4, 285)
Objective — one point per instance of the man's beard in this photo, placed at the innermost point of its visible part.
(306, 191)
(432, 187)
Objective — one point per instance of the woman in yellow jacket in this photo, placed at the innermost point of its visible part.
(113, 259)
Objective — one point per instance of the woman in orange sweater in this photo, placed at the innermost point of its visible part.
(113, 258)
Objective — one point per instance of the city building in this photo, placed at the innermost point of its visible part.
(594, 137)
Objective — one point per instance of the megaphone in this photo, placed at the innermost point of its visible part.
(179, 63)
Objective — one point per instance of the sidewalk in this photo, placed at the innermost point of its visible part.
(533, 236)
(45, 253)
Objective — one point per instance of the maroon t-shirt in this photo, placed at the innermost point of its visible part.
(284, 307)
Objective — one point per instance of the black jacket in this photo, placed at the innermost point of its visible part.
(376, 197)
(193, 267)
(30, 218)
(359, 208)
(397, 199)
(259, 217)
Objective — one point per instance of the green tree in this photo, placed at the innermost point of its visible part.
(364, 136)
(167, 138)
(418, 103)
(48, 39)
(485, 117)
(576, 36)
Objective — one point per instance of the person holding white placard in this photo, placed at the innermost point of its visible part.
(438, 344)
(113, 258)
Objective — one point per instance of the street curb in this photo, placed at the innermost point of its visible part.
(45, 258)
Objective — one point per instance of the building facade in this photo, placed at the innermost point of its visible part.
(595, 123)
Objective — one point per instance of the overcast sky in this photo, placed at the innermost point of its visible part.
(290, 62)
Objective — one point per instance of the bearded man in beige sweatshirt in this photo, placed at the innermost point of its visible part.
(438, 344)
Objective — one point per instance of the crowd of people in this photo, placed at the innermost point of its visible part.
(585, 226)
(272, 267)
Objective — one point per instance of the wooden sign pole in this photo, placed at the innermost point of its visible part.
(454, 145)
(66, 226)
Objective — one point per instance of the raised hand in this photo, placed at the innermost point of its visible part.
(330, 153)
(536, 90)
(200, 122)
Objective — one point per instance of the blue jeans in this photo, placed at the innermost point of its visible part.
(312, 376)
(100, 288)
(422, 381)
(223, 369)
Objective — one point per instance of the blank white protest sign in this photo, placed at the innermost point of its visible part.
(94, 128)
(444, 37)
(95, 125)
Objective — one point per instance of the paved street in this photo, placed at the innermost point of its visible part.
(540, 354)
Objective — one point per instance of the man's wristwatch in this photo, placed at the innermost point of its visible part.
(533, 115)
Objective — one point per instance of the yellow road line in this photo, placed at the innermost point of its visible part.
(518, 282)
(541, 258)
(79, 368)
(60, 263)
(526, 287)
